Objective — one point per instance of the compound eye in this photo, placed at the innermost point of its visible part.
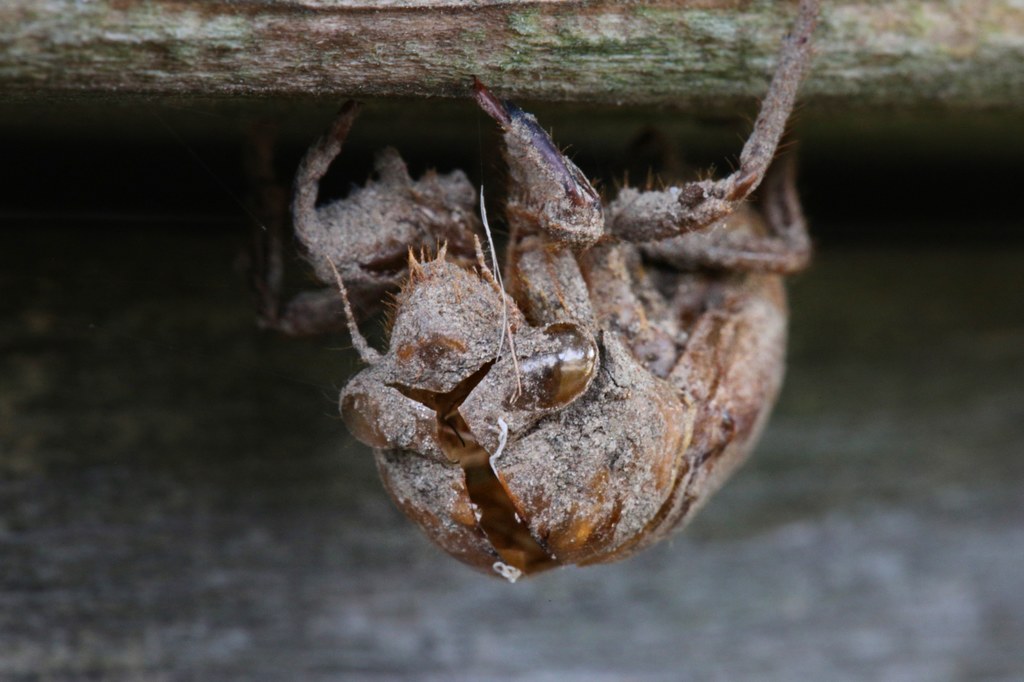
(361, 415)
(555, 377)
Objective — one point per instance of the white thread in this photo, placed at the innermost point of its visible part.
(509, 573)
(502, 439)
(497, 273)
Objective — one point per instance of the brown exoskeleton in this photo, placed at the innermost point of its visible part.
(591, 406)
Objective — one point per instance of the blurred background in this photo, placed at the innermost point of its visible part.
(179, 500)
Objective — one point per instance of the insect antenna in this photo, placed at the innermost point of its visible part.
(367, 353)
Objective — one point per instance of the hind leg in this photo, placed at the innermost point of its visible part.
(745, 241)
(694, 206)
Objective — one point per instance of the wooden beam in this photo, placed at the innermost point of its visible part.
(705, 54)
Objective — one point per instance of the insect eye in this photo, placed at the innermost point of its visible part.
(554, 378)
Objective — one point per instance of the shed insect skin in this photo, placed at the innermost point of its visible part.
(646, 337)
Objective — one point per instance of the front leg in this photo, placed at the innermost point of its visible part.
(557, 270)
(546, 282)
(548, 193)
(648, 216)
(553, 213)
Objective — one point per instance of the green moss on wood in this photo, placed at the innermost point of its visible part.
(870, 54)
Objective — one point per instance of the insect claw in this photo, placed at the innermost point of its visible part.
(493, 106)
(343, 122)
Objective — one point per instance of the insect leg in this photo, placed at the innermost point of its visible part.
(648, 216)
(742, 241)
(547, 194)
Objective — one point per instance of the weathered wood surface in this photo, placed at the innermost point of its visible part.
(698, 53)
(179, 500)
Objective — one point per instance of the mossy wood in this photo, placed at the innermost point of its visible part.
(706, 53)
